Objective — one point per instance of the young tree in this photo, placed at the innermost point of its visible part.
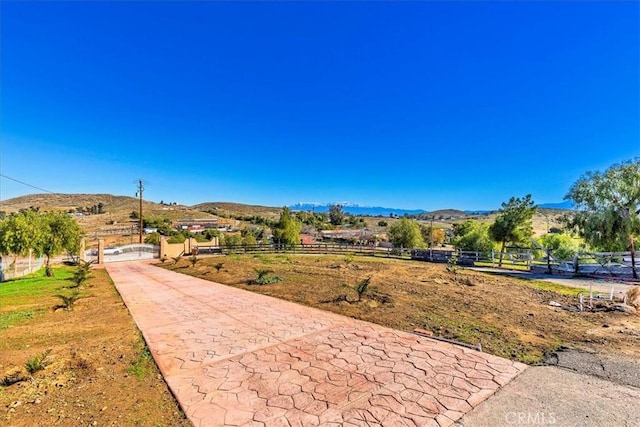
(20, 233)
(60, 233)
(336, 214)
(608, 207)
(406, 234)
(287, 230)
(513, 223)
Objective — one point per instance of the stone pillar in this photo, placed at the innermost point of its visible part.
(81, 255)
(163, 247)
(101, 251)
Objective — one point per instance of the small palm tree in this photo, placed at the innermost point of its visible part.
(362, 286)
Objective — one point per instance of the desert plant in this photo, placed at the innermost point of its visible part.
(361, 287)
(176, 259)
(38, 362)
(218, 266)
(163, 259)
(348, 259)
(193, 260)
(68, 300)
(82, 273)
(263, 277)
(453, 267)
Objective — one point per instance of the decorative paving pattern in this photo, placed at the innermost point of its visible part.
(235, 358)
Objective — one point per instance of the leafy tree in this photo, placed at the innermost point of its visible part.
(608, 208)
(152, 239)
(406, 234)
(432, 235)
(60, 233)
(177, 238)
(249, 239)
(210, 233)
(231, 239)
(336, 214)
(21, 232)
(472, 235)
(514, 222)
(287, 230)
(561, 246)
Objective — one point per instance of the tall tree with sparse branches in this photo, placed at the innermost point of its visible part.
(513, 223)
(608, 208)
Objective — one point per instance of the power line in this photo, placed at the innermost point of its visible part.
(28, 185)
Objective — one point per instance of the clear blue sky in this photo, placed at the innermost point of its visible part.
(408, 105)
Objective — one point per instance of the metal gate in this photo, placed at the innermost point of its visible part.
(131, 252)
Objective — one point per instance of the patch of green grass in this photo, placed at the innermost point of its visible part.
(144, 363)
(553, 287)
(38, 362)
(14, 317)
(265, 259)
(505, 265)
(34, 287)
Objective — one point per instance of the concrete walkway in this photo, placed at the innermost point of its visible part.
(236, 358)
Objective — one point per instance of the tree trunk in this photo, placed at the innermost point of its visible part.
(47, 268)
(501, 253)
(633, 257)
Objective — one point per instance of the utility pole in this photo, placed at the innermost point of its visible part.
(139, 193)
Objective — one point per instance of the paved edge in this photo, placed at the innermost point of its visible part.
(549, 395)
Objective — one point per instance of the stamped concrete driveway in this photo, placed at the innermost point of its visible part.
(236, 358)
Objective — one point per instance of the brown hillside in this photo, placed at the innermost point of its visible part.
(227, 208)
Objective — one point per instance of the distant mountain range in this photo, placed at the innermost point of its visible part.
(355, 209)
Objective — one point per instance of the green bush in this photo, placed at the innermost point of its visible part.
(38, 362)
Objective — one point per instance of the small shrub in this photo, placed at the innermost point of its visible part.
(68, 300)
(263, 277)
(163, 259)
(348, 259)
(193, 260)
(38, 362)
(218, 266)
(453, 267)
(82, 273)
(361, 287)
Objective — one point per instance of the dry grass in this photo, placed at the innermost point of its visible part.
(509, 317)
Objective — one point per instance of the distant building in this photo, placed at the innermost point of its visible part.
(185, 223)
(306, 239)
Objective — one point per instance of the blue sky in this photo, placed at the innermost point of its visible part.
(408, 105)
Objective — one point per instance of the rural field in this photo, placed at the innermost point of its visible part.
(509, 317)
(89, 365)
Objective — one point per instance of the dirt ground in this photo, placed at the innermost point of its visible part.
(98, 370)
(100, 374)
(509, 317)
